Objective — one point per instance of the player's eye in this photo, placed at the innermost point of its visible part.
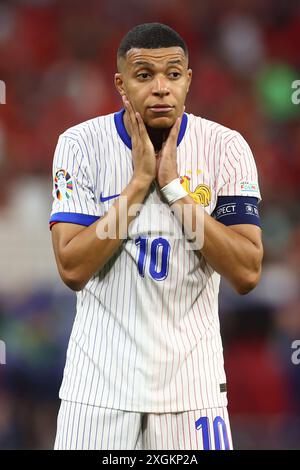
(143, 75)
(175, 74)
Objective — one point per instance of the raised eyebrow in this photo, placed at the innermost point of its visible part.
(149, 64)
(179, 62)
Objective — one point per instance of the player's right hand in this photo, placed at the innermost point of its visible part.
(143, 153)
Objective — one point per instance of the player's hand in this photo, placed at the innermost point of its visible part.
(143, 153)
(166, 169)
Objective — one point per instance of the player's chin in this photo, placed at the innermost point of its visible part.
(161, 116)
(161, 121)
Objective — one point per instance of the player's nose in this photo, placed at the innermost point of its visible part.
(160, 86)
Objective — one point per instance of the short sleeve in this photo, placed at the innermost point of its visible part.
(238, 174)
(73, 193)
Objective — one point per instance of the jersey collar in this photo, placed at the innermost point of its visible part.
(121, 129)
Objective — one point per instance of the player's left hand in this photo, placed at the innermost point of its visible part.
(166, 159)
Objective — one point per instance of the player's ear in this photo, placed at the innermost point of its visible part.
(119, 83)
(190, 74)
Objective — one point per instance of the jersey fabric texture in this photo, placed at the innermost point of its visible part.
(146, 336)
(86, 427)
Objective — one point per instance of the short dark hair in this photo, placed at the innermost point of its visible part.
(150, 36)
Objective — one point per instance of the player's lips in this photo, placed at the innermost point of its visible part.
(161, 108)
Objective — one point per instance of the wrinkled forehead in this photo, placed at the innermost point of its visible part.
(156, 57)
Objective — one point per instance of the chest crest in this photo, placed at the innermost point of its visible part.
(201, 194)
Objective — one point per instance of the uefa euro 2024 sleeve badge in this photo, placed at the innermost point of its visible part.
(63, 185)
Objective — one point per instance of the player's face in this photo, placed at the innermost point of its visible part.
(152, 77)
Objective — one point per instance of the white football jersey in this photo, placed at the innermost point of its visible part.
(146, 335)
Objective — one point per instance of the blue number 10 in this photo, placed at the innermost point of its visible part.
(159, 257)
(219, 427)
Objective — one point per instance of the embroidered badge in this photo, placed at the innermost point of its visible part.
(202, 193)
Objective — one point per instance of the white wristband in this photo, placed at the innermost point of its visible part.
(173, 191)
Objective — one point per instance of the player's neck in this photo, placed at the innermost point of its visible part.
(157, 136)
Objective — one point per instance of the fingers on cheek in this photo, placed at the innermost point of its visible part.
(137, 117)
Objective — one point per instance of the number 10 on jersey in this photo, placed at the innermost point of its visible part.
(159, 250)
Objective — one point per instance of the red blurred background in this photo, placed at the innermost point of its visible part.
(58, 59)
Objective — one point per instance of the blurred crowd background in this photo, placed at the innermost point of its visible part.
(58, 59)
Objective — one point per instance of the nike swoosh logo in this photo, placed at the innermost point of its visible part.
(107, 198)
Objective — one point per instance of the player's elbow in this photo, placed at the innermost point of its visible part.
(74, 285)
(246, 283)
(72, 280)
(72, 276)
(247, 278)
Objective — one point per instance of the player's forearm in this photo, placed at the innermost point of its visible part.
(231, 254)
(87, 253)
